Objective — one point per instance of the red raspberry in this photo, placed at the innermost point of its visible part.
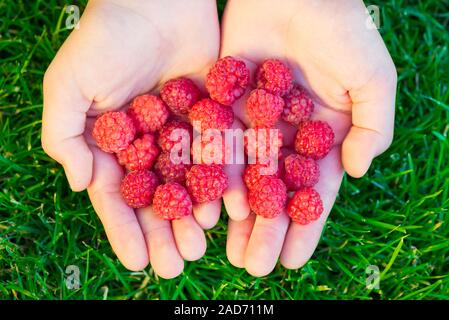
(166, 141)
(314, 139)
(138, 188)
(171, 201)
(298, 106)
(139, 155)
(300, 172)
(148, 112)
(227, 80)
(268, 197)
(210, 149)
(113, 131)
(263, 108)
(305, 206)
(169, 171)
(255, 172)
(206, 183)
(208, 114)
(180, 95)
(261, 144)
(275, 77)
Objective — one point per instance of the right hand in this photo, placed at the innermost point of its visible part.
(123, 49)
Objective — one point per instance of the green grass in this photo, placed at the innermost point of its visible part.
(396, 217)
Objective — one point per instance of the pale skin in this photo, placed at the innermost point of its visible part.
(352, 78)
(123, 49)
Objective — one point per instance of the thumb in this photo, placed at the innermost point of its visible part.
(63, 124)
(372, 122)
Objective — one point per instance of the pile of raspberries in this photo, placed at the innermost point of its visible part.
(146, 139)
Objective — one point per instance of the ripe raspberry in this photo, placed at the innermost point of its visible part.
(148, 112)
(261, 144)
(113, 131)
(206, 183)
(139, 155)
(171, 201)
(300, 172)
(169, 171)
(314, 139)
(268, 197)
(227, 80)
(138, 188)
(263, 108)
(183, 133)
(275, 77)
(255, 172)
(305, 206)
(298, 106)
(210, 148)
(208, 114)
(180, 95)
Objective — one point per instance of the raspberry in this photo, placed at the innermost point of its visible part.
(268, 197)
(166, 141)
(263, 108)
(210, 149)
(305, 206)
(113, 131)
(208, 114)
(138, 188)
(261, 144)
(148, 112)
(300, 172)
(275, 77)
(139, 155)
(206, 183)
(298, 106)
(180, 95)
(314, 139)
(227, 80)
(169, 171)
(171, 201)
(255, 172)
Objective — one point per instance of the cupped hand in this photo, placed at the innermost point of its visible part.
(336, 54)
(123, 49)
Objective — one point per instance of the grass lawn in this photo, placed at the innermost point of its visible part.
(395, 218)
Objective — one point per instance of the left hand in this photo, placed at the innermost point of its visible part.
(351, 76)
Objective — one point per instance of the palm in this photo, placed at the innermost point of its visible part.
(319, 62)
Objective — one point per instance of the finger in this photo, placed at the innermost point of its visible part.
(164, 256)
(372, 121)
(301, 241)
(360, 147)
(207, 214)
(234, 198)
(239, 233)
(189, 237)
(63, 123)
(265, 244)
(119, 220)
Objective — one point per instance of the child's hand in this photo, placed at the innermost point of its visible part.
(123, 49)
(347, 68)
